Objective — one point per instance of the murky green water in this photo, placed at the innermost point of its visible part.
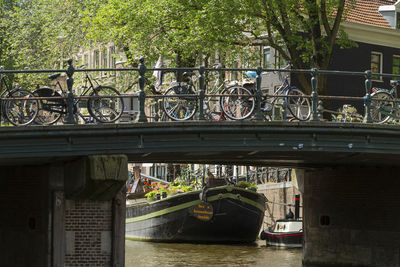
(139, 254)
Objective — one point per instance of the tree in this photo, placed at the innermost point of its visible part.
(41, 34)
(181, 30)
(5, 45)
(303, 31)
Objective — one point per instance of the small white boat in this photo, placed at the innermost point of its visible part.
(287, 232)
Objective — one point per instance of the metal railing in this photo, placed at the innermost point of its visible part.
(316, 99)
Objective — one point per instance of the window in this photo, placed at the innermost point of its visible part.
(112, 58)
(396, 65)
(234, 74)
(280, 62)
(86, 59)
(376, 64)
(96, 58)
(266, 57)
(104, 58)
(398, 20)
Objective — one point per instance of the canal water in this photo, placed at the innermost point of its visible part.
(147, 254)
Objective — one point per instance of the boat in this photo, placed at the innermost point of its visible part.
(215, 214)
(287, 232)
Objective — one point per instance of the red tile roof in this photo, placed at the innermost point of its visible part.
(366, 12)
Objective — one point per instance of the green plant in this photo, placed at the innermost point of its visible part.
(175, 188)
(246, 185)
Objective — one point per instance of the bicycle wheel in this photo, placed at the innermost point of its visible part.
(107, 106)
(298, 105)
(238, 104)
(212, 110)
(21, 111)
(50, 110)
(382, 109)
(179, 108)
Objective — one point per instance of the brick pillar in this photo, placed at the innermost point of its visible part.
(88, 229)
(351, 217)
(94, 219)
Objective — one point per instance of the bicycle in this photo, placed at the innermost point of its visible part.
(287, 99)
(104, 104)
(383, 104)
(180, 100)
(16, 105)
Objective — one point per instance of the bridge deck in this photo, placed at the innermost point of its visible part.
(296, 144)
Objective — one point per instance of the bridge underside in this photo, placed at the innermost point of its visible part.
(350, 181)
(248, 143)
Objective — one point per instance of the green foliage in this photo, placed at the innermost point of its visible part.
(247, 185)
(175, 188)
(42, 34)
(175, 28)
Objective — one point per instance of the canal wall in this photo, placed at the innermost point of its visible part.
(278, 194)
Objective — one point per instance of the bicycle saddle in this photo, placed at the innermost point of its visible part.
(188, 74)
(54, 76)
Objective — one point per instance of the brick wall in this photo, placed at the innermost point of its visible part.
(88, 226)
(352, 217)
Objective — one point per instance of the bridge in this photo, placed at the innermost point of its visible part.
(349, 173)
(61, 197)
(290, 144)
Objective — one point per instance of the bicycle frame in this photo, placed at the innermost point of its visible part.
(282, 90)
(3, 83)
(391, 110)
(87, 87)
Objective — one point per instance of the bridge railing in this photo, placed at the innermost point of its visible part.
(200, 95)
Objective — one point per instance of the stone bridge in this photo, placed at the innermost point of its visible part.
(60, 185)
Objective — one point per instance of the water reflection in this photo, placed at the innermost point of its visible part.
(145, 254)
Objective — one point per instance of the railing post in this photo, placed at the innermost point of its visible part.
(259, 115)
(70, 119)
(314, 95)
(201, 93)
(367, 98)
(156, 106)
(142, 94)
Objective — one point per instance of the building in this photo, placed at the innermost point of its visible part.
(375, 26)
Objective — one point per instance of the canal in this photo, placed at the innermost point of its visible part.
(147, 254)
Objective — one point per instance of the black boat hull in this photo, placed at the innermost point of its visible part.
(283, 239)
(237, 215)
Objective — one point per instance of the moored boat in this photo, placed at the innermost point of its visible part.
(287, 232)
(222, 214)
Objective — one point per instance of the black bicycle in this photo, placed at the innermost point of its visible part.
(180, 100)
(239, 103)
(17, 107)
(384, 107)
(104, 104)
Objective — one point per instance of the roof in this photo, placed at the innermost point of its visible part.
(366, 12)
